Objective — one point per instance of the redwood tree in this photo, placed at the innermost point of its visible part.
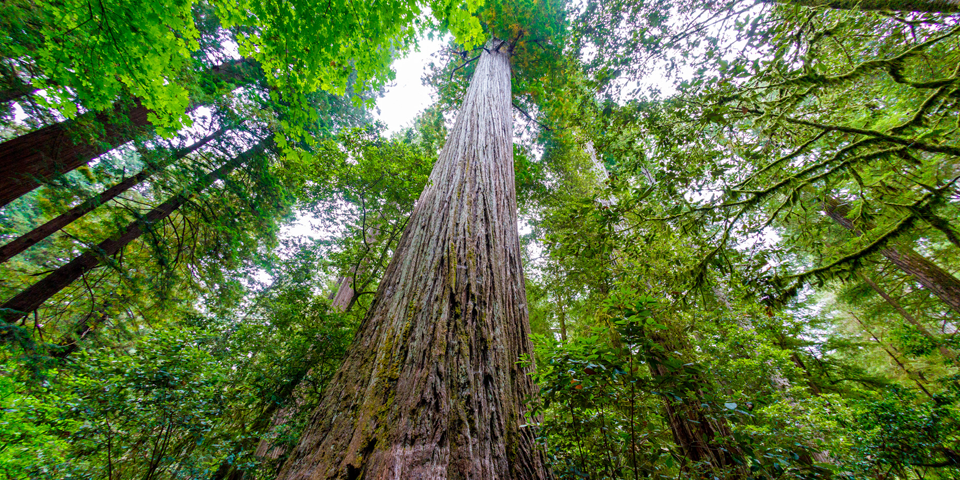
(433, 386)
(30, 238)
(939, 281)
(33, 297)
(43, 154)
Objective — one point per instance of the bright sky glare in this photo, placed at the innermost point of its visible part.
(406, 97)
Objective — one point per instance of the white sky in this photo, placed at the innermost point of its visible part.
(406, 97)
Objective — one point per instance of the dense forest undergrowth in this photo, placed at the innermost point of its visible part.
(739, 259)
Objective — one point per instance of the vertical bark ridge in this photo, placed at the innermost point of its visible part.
(939, 281)
(431, 387)
(50, 151)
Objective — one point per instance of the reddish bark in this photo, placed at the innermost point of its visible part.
(704, 437)
(935, 279)
(432, 387)
(45, 153)
(55, 225)
(947, 353)
(41, 155)
(38, 293)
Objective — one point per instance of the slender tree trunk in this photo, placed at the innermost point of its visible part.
(12, 86)
(891, 355)
(935, 279)
(814, 388)
(927, 6)
(41, 155)
(30, 238)
(906, 316)
(777, 380)
(14, 91)
(34, 296)
(705, 438)
(341, 301)
(563, 321)
(432, 387)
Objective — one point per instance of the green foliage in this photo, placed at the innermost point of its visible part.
(600, 418)
(115, 48)
(31, 429)
(698, 316)
(900, 432)
(912, 342)
(146, 50)
(193, 396)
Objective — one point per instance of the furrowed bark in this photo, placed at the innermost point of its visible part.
(34, 296)
(431, 387)
(935, 279)
(50, 151)
(342, 299)
(30, 238)
(43, 154)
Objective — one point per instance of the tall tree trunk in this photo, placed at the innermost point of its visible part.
(896, 360)
(14, 92)
(55, 225)
(43, 154)
(563, 320)
(705, 438)
(341, 300)
(940, 282)
(34, 296)
(50, 151)
(947, 353)
(777, 380)
(432, 387)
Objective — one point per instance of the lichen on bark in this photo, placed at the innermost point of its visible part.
(433, 386)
